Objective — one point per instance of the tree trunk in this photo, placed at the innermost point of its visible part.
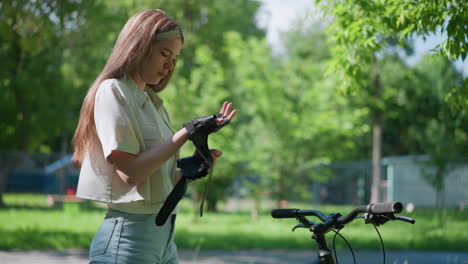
(281, 188)
(376, 133)
(376, 156)
(22, 106)
(211, 202)
(14, 70)
(3, 177)
(8, 162)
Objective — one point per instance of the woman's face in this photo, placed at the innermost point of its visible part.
(161, 61)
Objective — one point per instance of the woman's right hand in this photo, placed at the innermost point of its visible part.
(226, 112)
(209, 124)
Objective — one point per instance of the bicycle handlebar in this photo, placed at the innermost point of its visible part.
(293, 213)
(374, 213)
(385, 208)
(373, 208)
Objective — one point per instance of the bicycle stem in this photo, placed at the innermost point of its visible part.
(324, 253)
(320, 229)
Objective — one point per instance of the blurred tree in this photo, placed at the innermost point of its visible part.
(289, 118)
(73, 39)
(414, 97)
(418, 120)
(58, 34)
(35, 97)
(30, 73)
(360, 27)
(359, 31)
(294, 119)
(444, 136)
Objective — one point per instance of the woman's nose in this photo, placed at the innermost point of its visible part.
(169, 65)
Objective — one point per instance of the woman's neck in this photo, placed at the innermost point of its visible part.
(138, 81)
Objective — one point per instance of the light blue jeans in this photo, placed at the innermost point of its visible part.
(133, 238)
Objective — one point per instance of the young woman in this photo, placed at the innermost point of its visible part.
(125, 145)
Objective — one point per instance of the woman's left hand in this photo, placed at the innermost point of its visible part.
(215, 154)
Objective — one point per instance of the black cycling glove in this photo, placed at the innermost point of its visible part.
(205, 125)
(193, 167)
(200, 128)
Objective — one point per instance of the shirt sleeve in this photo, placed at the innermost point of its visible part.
(112, 119)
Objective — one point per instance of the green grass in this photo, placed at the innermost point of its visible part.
(28, 223)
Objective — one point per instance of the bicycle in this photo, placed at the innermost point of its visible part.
(374, 213)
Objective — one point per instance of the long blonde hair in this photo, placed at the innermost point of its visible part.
(131, 48)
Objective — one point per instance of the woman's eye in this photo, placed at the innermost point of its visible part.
(165, 55)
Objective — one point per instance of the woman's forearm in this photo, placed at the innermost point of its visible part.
(135, 169)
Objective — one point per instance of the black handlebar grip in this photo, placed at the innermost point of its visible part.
(283, 213)
(385, 208)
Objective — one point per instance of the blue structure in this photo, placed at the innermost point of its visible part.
(47, 180)
(58, 164)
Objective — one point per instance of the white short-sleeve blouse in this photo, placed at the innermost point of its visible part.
(129, 120)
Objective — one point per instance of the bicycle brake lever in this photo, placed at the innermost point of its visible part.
(378, 219)
(298, 226)
(405, 219)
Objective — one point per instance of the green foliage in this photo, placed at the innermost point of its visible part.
(285, 105)
(27, 37)
(360, 33)
(446, 16)
(50, 58)
(360, 29)
(418, 118)
(53, 51)
(414, 101)
(73, 39)
(457, 98)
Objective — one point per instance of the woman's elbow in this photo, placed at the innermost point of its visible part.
(124, 165)
(131, 181)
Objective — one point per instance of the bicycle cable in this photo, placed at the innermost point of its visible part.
(381, 242)
(347, 243)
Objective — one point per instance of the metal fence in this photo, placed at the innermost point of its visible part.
(349, 183)
(37, 173)
(403, 178)
(407, 182)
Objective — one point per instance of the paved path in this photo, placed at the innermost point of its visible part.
(247, 257)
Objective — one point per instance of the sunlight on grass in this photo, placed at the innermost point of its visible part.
(27, 223)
